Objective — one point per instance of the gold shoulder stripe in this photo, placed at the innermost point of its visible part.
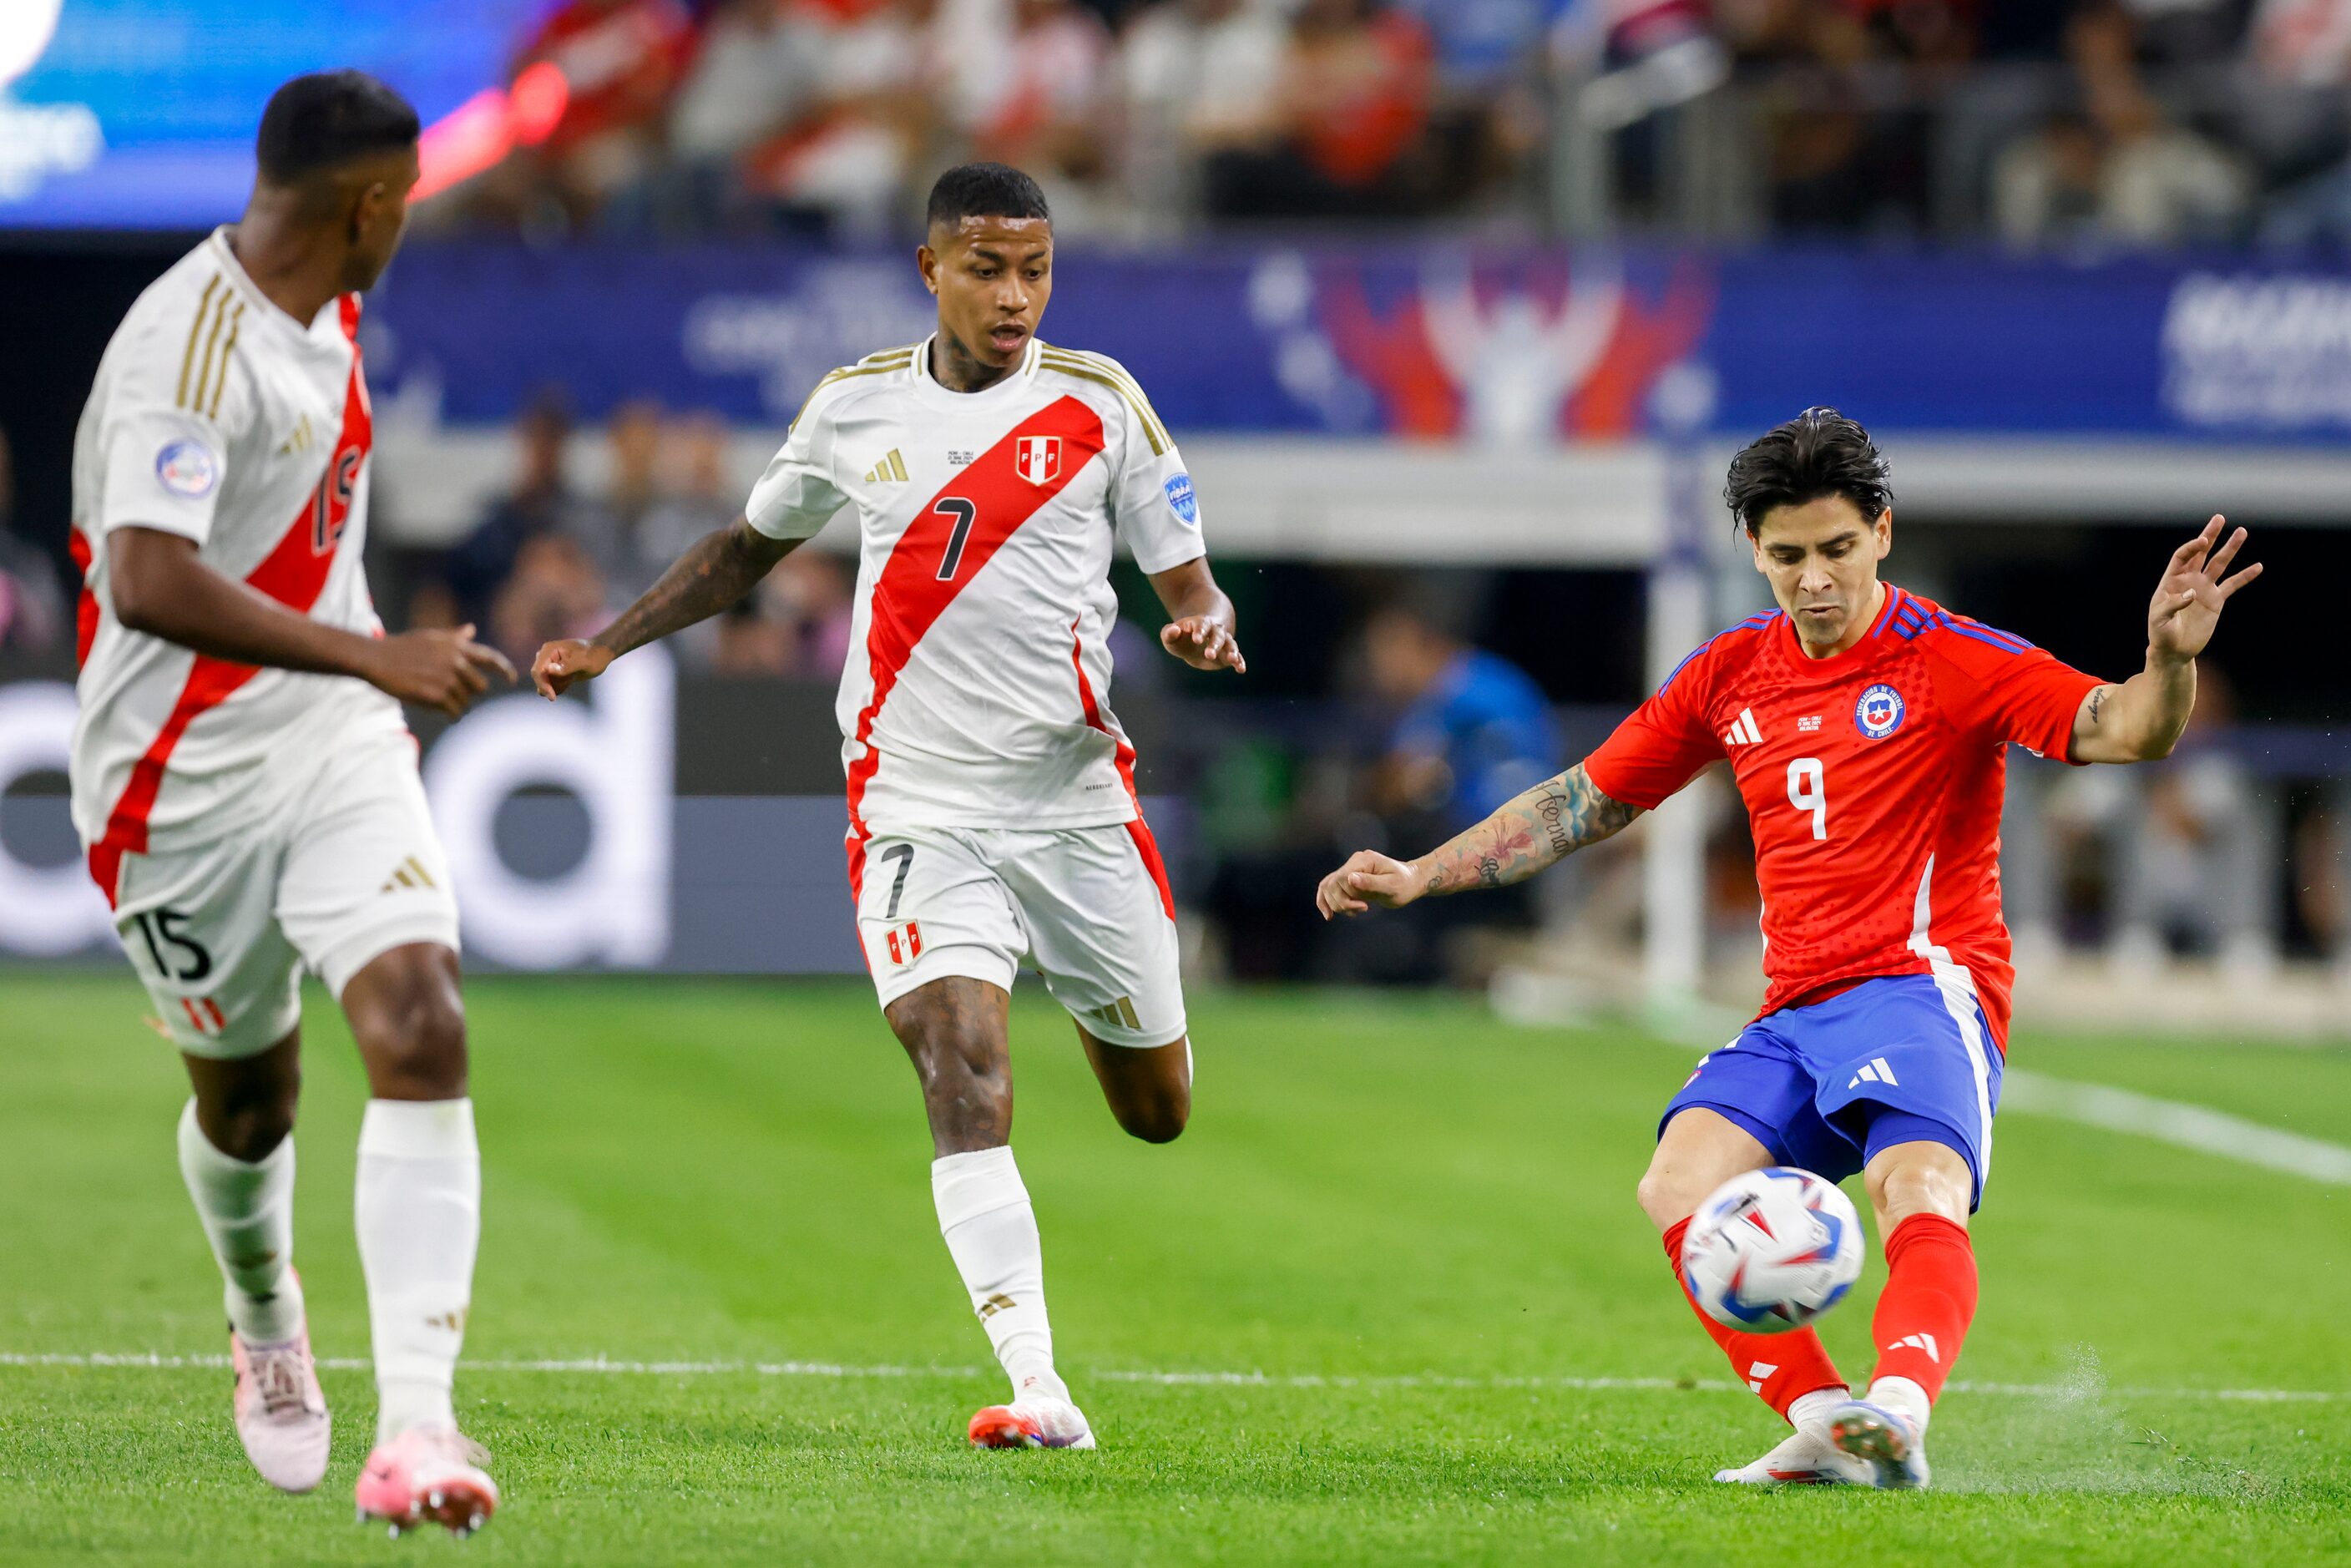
(204, 360)
(227, 349)
(1142, 410)
(195, 330)
(842, 375)
(890, 356)
(1132, 388)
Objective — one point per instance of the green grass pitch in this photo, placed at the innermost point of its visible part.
(1414, 1221)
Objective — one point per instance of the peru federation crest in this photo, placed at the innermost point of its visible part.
(1037, 459)
(1879, 714)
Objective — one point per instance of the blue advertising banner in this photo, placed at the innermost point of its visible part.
(1511, 347)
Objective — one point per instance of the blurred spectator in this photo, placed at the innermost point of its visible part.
(697, 496)
(755, 73)
(554, 590)
(542, 502)
(1038, 105)
(2194, 872)
(2298, 118)
(1199, 77)
(1472, 730)
(1352, 105)
(32, 604)
(2120, 171)
(619, 60)
(795, 624)
(845, 161)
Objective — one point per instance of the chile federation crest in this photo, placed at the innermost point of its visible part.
(1879, 712)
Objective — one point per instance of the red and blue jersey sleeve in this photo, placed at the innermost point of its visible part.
(1665, 742)
(2008, 690)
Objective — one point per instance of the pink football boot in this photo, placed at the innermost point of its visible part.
(428, 1473)
(281, 1414)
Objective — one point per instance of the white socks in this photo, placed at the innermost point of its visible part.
(419, 1211)
(1904, 1395)
(1808, 1411)
(991, 1232)
(248, 1212)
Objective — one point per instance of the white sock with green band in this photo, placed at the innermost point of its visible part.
(248, 1212)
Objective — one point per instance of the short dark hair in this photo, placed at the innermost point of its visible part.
(1817, 454)
(328, 118)
(986, 191)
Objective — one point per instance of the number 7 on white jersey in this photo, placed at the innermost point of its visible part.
(1808, 791)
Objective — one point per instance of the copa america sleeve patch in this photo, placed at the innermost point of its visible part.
(1185, 506)
(187, 469)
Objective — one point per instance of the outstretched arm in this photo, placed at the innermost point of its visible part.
(718, 570)
(2142, 718)
(1530, 831)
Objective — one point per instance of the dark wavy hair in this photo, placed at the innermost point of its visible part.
(1819, 452)
(985, 191)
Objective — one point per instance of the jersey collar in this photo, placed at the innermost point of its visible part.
(1870, 646)
(1010, 389)
(265, 310)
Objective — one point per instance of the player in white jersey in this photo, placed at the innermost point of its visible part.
(993, 822)
(246, 788)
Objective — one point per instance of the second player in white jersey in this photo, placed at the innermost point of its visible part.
(993, 821)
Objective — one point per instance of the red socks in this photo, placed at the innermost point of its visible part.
(1781, 1367)
(1928, 1300)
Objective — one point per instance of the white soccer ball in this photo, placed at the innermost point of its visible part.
(1771, 1251)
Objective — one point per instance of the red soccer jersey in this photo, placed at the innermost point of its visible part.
(1873, 784)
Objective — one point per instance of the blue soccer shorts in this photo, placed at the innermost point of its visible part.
(1895, 1059)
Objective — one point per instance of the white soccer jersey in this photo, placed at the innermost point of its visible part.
(980, 666)
(216, 416)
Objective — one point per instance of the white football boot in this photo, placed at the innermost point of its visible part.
(1807, 1456)
(1032, 1421)
(281, 1414)
(1891, 1442)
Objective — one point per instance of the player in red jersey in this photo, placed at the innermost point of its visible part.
(1867, 728)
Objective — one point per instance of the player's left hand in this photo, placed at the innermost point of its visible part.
(2187, 605)
(1204, 642)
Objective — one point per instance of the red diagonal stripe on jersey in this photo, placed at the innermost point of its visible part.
(909, 595)
(1123, 755)
(294, 574)
(86, 606)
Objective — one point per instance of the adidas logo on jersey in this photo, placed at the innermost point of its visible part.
(1874, 1070)
(1744, 732)
(890, 470)
(302, 440)
(1925, 1342)
(410, 873)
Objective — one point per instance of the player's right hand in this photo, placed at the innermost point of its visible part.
(1367, 879)
(436, 669)
(563, 663)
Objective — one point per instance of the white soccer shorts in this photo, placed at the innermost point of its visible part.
(1085, 907)
(346, 869)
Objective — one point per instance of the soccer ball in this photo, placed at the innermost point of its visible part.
(1771, 1251)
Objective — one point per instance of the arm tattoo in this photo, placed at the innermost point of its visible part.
(1546, 824)
(714, 573)
(2098, 701)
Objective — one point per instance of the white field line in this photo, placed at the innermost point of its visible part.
(605, 1366)
(2197, 1128)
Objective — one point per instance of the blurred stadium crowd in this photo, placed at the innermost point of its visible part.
(2049, 122)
